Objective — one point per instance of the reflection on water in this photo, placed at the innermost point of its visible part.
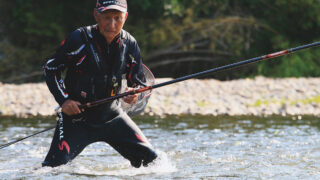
(189, 147)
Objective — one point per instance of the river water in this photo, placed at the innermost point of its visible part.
(189, 147)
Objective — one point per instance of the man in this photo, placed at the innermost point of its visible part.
(97, 58)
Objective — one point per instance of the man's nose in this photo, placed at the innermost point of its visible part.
(112, 23)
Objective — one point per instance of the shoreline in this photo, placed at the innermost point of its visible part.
(259, 96)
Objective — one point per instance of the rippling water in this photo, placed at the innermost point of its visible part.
(190, 147)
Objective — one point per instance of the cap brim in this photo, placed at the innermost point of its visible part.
(119, 8)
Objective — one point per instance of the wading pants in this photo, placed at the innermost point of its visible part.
(73, 134)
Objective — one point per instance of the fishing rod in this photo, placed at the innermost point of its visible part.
(147, 88)
(218, 69)
(18, 140)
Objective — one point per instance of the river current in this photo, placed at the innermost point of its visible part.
(189, 147)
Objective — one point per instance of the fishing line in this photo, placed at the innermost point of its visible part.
(18, 140)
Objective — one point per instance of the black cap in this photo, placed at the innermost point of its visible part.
(103, 5)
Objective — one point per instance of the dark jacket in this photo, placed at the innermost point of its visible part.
(85, 79)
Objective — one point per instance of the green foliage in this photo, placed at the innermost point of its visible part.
(168, 31)
(294, 23)
(296, 65)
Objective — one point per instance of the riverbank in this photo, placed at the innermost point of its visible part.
(259, 96)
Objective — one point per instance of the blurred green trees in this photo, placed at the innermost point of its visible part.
(177, 37)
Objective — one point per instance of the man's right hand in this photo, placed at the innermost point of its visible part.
(71, 107)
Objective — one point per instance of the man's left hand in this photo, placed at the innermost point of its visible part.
(130, 99)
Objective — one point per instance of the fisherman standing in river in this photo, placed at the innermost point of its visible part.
(97, 58)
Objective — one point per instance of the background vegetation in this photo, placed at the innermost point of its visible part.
(177, 37)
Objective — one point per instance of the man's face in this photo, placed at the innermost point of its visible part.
(110, 23)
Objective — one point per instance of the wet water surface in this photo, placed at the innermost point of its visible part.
(189, 147)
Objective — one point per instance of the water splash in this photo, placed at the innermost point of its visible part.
(88, 167)
(161, 165)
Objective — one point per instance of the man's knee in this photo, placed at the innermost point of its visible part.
(56, 159)
(149, 158)
(53, 164)
(145, 160)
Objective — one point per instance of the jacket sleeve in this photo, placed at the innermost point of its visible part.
(63, 58)
(136, 75)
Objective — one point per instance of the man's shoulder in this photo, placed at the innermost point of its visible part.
(75, 38)
(125, 35)
(77, 35)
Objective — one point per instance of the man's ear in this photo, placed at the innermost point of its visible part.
(126, 16)
(95, 14)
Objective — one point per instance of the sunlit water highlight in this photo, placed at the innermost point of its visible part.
(188, 148)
